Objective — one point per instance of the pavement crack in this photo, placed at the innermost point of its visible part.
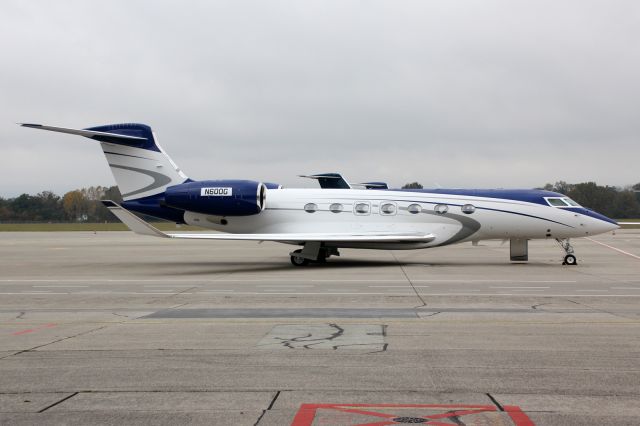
(58, 402)
(20, 315)
(535, 307)
(273, 401)
(433, 314)
(600, 310)
(57, 341)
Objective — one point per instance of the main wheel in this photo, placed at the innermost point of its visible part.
(297, 260)
(570, 260)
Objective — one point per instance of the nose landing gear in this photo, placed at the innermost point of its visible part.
(569, 258)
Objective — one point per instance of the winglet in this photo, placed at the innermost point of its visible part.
(132, 221)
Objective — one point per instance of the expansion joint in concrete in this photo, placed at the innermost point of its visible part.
(58, 402)
(273, 401)
(495, 401)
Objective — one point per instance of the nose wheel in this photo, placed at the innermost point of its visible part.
(569, 258)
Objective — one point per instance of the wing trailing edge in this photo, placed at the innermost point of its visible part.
(139, 226)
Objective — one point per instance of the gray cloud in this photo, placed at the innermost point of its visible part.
(465, 94)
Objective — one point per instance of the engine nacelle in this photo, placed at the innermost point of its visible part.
(218, 197)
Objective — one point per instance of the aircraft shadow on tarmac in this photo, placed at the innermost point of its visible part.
(226, 267)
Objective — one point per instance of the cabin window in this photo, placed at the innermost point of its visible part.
(570, 202)
(414, 208)
(388, 209)
(336, 207)
(468, 208)
(362, 208)
(311, 207)
(441, 208)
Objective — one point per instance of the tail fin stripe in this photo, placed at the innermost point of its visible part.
(159, 180)
(128, 155)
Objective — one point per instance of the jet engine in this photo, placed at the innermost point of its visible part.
(218, 197)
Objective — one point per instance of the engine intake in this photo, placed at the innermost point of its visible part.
(218, 197)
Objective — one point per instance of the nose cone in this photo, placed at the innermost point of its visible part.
(600, 223)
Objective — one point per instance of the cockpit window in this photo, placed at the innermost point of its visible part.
(557, 202)
(561, 202)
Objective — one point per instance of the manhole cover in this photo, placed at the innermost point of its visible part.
(409, 420)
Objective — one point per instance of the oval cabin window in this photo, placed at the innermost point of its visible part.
(414, 208)
(441, 208)
(468, 208)
(362, 208)
(388, 209)
(311, 208)
(336, 207)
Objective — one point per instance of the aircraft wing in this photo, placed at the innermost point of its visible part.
(139, 226)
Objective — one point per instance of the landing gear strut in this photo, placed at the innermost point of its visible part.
(313, 251)
(569, 258)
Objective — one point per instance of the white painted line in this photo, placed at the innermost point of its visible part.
(285, 286)
(590, 290)
(33, 293)
(497, 281)
(613, 248)
(167, 286)
(125, 292)
(59, 286)
(519, 287)
(354, 294)
(398, 286)
(625, 288)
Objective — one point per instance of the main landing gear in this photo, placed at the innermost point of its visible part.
(312, 252)
(569, 258)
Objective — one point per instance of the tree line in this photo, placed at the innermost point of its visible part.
(83, 205)
(80, 205)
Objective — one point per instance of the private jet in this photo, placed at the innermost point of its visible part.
(337, 215)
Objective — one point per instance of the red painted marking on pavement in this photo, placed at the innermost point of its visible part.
(18, 333)
(33, 330)
(365, 413)
(518, 417)
(307, 413)
(613, 248)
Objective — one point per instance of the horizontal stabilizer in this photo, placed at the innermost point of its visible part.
(132, 221)
(139, 226)
(91, 134)
(329, 180)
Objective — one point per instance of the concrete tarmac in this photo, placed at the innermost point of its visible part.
(114, 328)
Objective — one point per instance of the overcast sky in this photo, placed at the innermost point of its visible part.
(448, 93)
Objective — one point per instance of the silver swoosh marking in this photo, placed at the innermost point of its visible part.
(159, 180)
(469, 226)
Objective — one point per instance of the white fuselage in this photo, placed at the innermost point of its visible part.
(389, 211)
